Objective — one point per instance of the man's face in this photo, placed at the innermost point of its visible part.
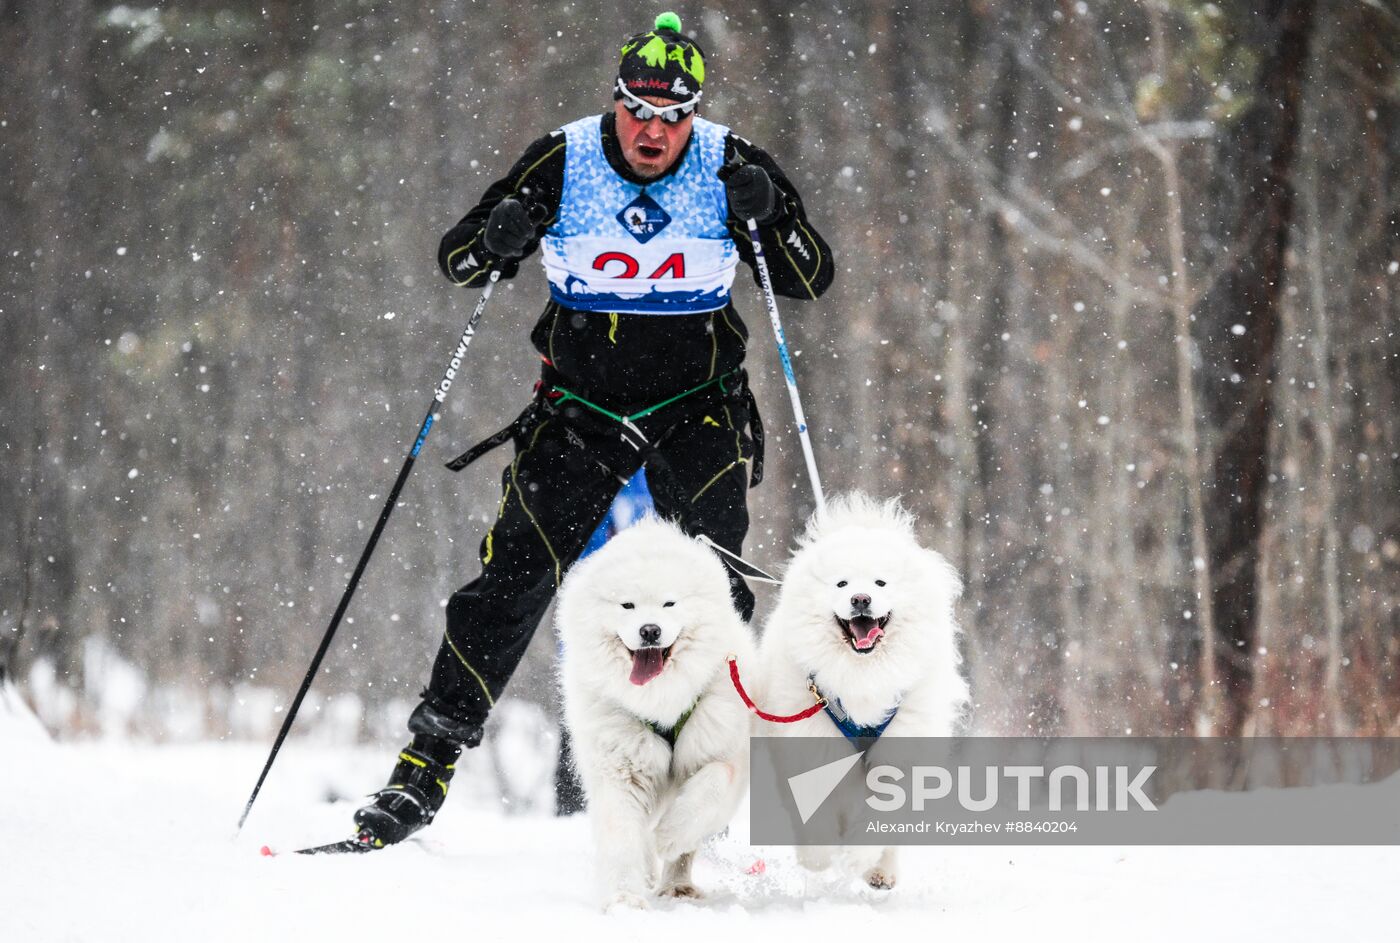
(651, 147)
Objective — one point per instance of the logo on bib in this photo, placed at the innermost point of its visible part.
(643, 218)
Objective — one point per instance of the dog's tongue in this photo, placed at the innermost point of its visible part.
(864, 632)
(647, 664)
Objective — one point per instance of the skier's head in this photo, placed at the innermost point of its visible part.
(663, 64)
(659, 77)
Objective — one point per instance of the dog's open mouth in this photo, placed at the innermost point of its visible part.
(648, 662)
(862, 632)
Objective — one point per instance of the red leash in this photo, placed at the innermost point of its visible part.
(775, 718)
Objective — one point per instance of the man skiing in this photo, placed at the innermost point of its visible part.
(640, 216)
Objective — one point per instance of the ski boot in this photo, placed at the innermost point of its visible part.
(418, 785)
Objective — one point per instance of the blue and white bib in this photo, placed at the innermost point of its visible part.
(662, 248)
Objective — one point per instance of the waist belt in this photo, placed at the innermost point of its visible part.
(567, 395)
(549, 397)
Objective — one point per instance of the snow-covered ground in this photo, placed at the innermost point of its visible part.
(118, 841)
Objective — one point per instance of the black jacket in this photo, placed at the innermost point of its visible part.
(628, 359)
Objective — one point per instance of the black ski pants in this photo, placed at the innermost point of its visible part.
(569, 464)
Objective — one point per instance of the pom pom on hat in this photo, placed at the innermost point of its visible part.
(662, 63)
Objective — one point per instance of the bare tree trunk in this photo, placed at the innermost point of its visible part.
(1239, 322)
(1327, 461)
(1127, 571)
(1206, 708)
(28, 550)
(998, 629)
(964, 550)
(54, 70)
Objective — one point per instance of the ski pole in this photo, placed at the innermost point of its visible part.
(439, 397)
(772, 302)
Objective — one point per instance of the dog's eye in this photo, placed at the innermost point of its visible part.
(629, 605)
(667, 605)
(879, 582)
(840, 584)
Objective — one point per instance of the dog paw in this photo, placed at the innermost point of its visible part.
(880, 879)
(814, 857)
(624, 900)
(686, 891)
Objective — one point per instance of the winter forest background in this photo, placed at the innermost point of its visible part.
(1115, 314)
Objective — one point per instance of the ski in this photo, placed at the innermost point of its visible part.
(359, 844)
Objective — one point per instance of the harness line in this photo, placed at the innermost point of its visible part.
(773, 718)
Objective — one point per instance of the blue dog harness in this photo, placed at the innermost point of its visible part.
(849, 728)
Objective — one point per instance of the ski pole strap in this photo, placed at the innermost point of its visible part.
(755, 433)
(516, 429)
(773, 718)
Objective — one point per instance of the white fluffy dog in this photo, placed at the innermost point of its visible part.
(660, 740)
(866, 614)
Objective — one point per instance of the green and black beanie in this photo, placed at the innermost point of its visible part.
(662, 62)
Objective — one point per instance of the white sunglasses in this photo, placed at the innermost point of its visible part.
(643, 110)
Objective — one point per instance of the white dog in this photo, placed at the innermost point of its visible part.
(660, 739)
(865, 615)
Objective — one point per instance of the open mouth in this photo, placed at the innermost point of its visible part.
(648, 662)
(650, 151)
(862, 632)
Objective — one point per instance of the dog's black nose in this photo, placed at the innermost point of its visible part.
(860, 602)
(651, 634)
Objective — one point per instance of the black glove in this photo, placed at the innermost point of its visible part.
(751, 193)
(509, 229)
